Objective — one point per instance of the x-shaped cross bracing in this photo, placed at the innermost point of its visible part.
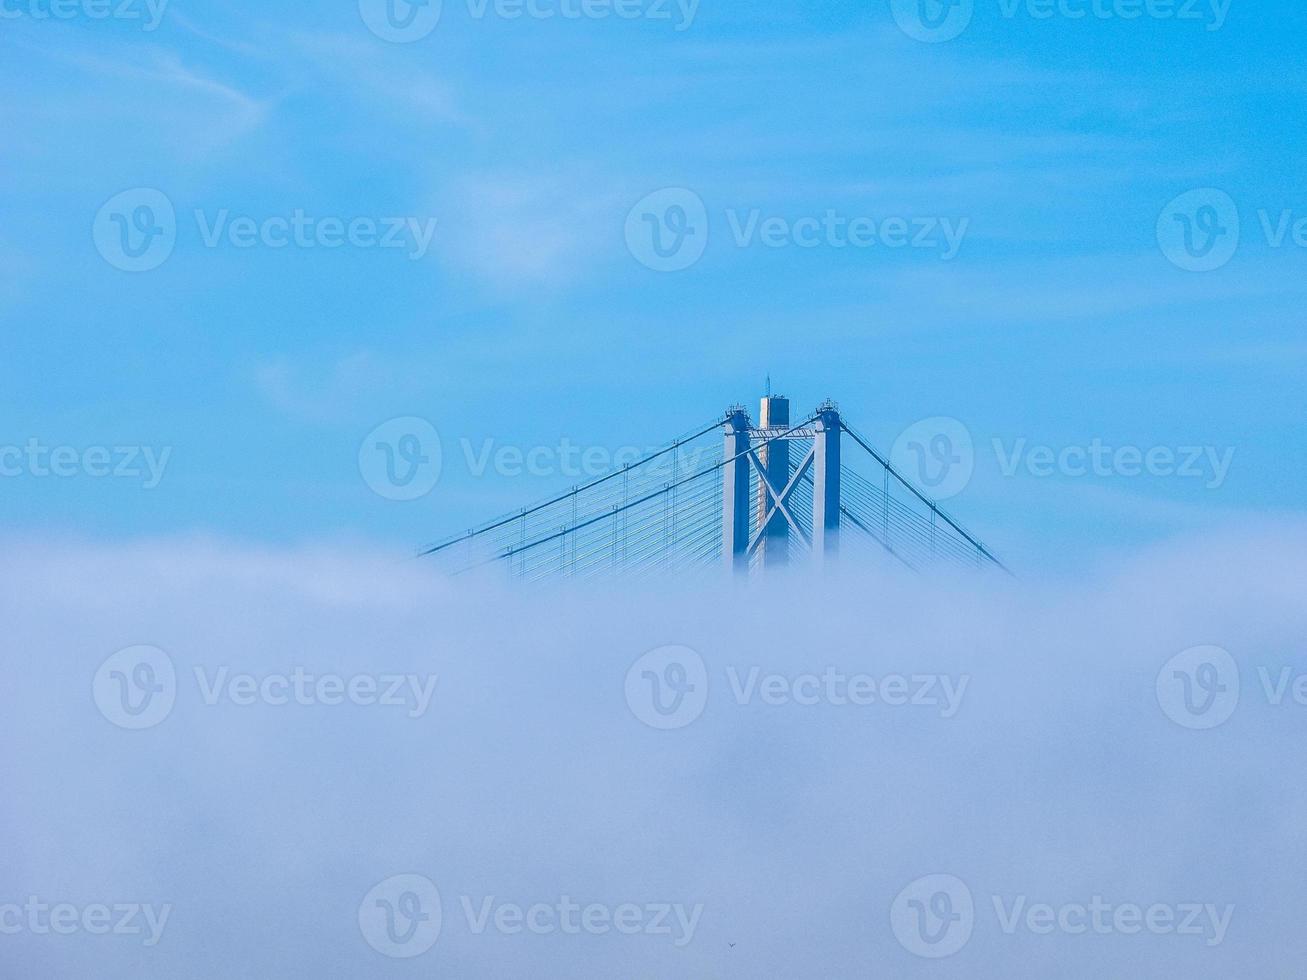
(777, 501)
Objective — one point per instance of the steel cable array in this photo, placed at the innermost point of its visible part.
(662, 515)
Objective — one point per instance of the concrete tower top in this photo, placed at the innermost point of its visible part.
(775, 411)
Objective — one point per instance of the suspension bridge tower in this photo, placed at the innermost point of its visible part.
(760, 476)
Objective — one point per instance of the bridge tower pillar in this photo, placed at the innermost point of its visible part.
(735, 491)
(774, 417)
(826, 483)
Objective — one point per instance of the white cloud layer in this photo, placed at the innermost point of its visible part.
(530, 777)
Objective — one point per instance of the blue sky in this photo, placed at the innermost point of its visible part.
(528, 317)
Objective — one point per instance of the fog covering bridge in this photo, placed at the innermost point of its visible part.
(728, 494)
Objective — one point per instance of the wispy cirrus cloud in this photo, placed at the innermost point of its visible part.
(528, 230)
(151, 92)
